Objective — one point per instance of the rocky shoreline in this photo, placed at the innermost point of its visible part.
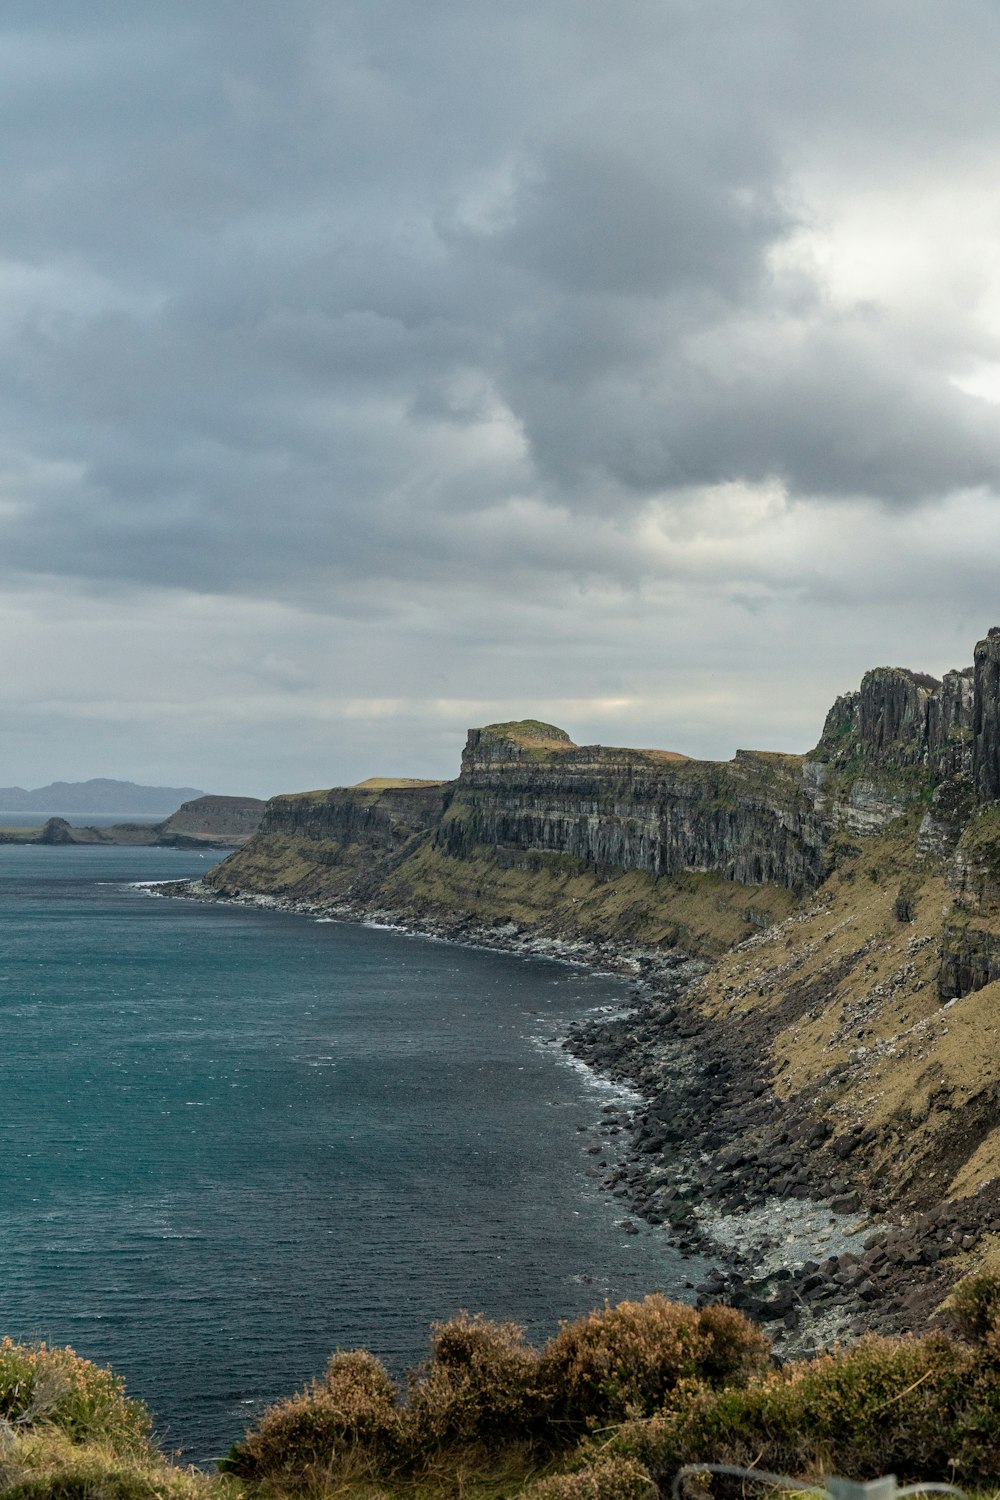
(715, 1159)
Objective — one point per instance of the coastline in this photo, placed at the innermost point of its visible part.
(712, 1158)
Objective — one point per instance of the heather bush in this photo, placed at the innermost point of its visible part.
(346, 1421)
(911, 1407)
(610, 1477)
(480, 1385)
(623, 1361)
(736, 1349)
(40, 1386)
(974, 1306)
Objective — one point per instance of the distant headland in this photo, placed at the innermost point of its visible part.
(203, 822)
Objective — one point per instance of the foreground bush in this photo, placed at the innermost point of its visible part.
(56, 1388)
(624, 1361)
(484, 1390)
(345, 1423)
(918, 1408)
(608, 1478)
(974, 1306)
(47, 1465)
(480, 1385)
(649, 1386)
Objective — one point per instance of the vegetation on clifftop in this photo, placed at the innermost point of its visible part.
(609, 1409)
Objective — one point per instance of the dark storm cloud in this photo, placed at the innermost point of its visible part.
(300, 290)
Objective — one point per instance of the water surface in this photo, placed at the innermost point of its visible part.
(234, 1140)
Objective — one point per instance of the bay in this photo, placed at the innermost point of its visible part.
(233, 1140)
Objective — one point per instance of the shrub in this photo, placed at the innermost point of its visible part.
(55, 1387)
(609, 1478)
(624, 1361)
(348, 1421)
(621, 1361)
(974, 1306)
(49, 1470)
(899, 1406)
(480, 1384)
(737, 1350)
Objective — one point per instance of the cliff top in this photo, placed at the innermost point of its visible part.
(211, 799)
(664, 755)
(529, 732)
(391, 783)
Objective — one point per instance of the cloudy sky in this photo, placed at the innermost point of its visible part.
(371, 368)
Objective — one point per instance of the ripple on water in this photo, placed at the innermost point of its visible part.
(236, 1139)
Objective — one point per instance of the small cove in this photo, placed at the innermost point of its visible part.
(234, 1139)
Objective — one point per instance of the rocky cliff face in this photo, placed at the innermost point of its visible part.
(235, 818)
(377, 817)
(529, 802)
(986, 719)
(902, 740)
(646, 810)
(333, 843)
(902, 720)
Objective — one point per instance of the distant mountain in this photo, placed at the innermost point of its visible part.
(98, 796)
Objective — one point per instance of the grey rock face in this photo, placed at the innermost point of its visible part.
(892, 715)
(223, 817)
(630, 809)
(950, 725)
(970, 959)
(986, 718)
(901, 719)
(347, 816)
(866, 808)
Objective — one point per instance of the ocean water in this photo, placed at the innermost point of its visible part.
(234, 1140)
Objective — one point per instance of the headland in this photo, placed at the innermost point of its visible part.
(816, 944)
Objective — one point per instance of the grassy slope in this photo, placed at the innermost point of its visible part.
(700, 913)
(555, 895)
(851, 994)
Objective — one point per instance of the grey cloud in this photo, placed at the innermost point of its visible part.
(333, 243)
(827, 410)
(595, 219)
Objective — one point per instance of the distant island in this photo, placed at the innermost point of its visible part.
(99, 797)
(206, 822)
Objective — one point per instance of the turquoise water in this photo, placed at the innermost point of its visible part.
(234, 1140)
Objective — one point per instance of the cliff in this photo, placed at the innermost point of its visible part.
(651, 844)
(333, 844)
(544, 833)
(648, 810)
(229, 820)
(850, 899)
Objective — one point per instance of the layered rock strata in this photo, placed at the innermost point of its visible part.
(642, 810)
(535, 828)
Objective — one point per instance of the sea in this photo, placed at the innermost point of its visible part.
(234, 1140)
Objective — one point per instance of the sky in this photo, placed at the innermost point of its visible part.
(371, 369)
